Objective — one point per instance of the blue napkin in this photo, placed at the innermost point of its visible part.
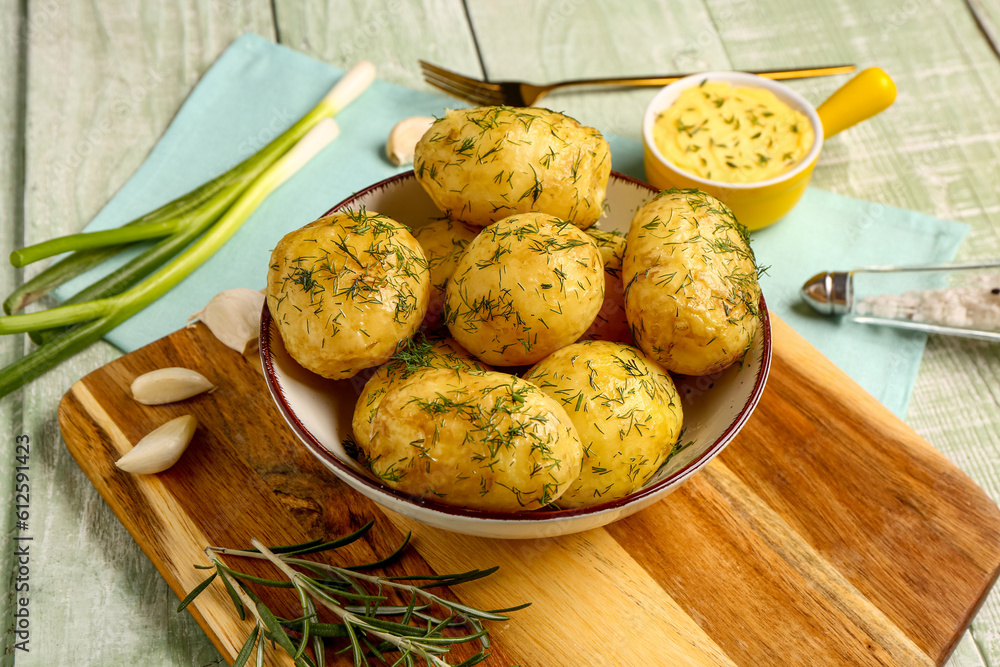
(828, 232)
(257, 89)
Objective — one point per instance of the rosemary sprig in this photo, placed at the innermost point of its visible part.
(424, 629)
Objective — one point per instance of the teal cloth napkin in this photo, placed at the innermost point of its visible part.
(256, 89)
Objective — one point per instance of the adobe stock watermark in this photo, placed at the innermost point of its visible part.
(280, 121)
(900, 15)
(105, 127)
(39, 16)
(563, 9)
(22, 542)
(691, 56)
(364, 36)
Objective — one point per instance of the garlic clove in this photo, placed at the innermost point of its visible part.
(167, 385)
(233, 316)
(403, 138)
(160, 448)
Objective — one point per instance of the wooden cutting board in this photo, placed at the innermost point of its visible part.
(827, 533)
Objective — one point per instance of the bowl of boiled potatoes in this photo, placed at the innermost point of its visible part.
(512, 340)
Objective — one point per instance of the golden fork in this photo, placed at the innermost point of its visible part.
(521, 94)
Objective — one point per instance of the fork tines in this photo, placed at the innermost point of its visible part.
(471, 90)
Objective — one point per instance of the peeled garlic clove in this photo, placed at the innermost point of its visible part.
(403, 139)
(161, 447)
(166, 385)
(233, 316)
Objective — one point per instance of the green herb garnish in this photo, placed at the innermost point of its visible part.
(195, 225)
(425, 627)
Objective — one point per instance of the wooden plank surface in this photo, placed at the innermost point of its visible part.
(244, 477)
(393, 34)
(827, 520)
(103, 81)
(935, 151)
(11, 224)
(575, 39)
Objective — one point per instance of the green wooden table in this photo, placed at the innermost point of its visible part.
(87, 88)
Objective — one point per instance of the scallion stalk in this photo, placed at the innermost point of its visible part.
(184, 219)
(63, 270)
(84, 259)
(147, 262)
(186, 210)
(87, 240)
(94, 319)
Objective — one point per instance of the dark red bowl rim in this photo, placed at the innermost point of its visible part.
(318, 450)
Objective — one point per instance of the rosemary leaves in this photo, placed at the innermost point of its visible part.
(420, 631)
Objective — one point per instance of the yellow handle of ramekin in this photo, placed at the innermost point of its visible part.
(868, 93)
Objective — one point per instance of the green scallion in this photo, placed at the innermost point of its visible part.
(213, 212)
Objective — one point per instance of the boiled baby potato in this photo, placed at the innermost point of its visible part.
(443, 241)
(482, 164)
(691, 291)
(481, 440)
(417, 355)
(626, 411)
(345, 290)
(526, 286)
(610, 322)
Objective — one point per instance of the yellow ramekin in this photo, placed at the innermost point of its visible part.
(761, 203)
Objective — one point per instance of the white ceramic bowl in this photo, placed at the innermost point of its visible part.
(320, 410)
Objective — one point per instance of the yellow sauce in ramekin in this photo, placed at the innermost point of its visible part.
(732, 135)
